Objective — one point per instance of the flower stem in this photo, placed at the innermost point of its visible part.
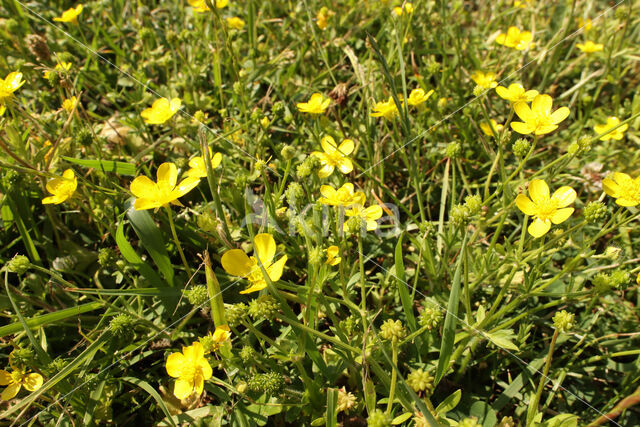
(394, 374)
(177, 242)
(533, 405)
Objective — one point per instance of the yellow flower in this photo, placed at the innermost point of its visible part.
(235, 23)
(521, 4)
(492, 128)
(538, 119)
(317, 104)
(334, 156)
(16, 379)
(198, 166)
(2, 110)
(62, 188)
(70, 15)
(190, 368)
(343, 196)
(405, 8)
(200, 6)
(516, 93)
(151, 195)
(322, 18)
(590, 47)
(623, 188)
(545, 209)
(417, 97)
(519, 40)
(60, 66)
(369, 215)
(237, 263)
(161, 111)
(612, 122)
(586, 23)
(69, 104)
(332, 255)
(10, 84)
(212, 342)
(388, 109)
(484, 80)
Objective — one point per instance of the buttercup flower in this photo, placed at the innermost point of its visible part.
(212, 342)
(417, 97)
(16, 380)
(484, 80)
(317, 104)
(623, 188)
(369, 215)
(545, 209)
(405, 8)
(60, 66)
(70, 15)
(519, 40)
(69, 104)
(334, 156)
(332, 256)
(198, 166)
(190, 368)
(612, 122)
(491, 128)
(587, 24)
(10, 84)
(322, 18)
(388, 109)
(343, 196)
(516, 93)
(235, 23)
(62, 188)
(590, 47)
(237, 263)
(200, 6)
(152, 195)
(538, 119)
(161, 111)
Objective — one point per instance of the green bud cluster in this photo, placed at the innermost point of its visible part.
(430, 317)
(288, 152)
(235, 313)
(197, 295)
(294, 194)
(454, 149)
(84, 137)
(392, 330)
(21, 357)
(420, 380)
(264, 307)
(521, 147)
(107, 257)
(469, 422)
(349, 325)
(270, 383)
(248, 354)
(379, 418)
(316, 256)
(563, 321)
(595, 212)
(122, 325)
(19, 264)
(207, 222)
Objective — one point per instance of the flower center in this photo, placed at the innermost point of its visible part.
(547, 208)
(630, 190)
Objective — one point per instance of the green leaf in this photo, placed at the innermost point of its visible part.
(401, 418)
(134, 259)
(332, 408)
(562, 420)
(503, 339)
(152, 391)
(46, 319)
(405, 297)
(370, 396)
(449, 329)
(449, 403)
(121, 168)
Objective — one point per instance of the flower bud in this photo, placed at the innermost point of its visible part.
(19, 264)
(263, 307)
(521, 147)
(453, 150)
(420, 380)
(595, 212)
(392, 330)
(379, 418)
(197, 296)
(563, 321)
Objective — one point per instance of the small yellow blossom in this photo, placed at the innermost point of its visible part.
(406, 8)
(343, 196)
(199, 167)
(212, 342)
(152, 195)
(590, 47)
(190, 368)
(60, 66)
(538, 119)
(485, 80)
(68, 105)
(317, 104)
(334, 156)
(10, 84)
(161, 111)
(70, 15)
(612, 122)
(235, 23)
(16, 379)
(516, 93)
(237, 263)
(369, 215)
(387, 109)
(418, 96)
(200, 6)
(519, 40)
(521, 4)
(62, 188)
(322, 18)
(332, 256)
(545, 209)
(623, 188)
(586, 24)
(491, 128)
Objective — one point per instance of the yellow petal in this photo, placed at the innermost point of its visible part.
(216, 160)
(52, 200)
(207, 372)
(11, 391)
(236, 263)
(276, 269)
(143, 186)
(175, 363)
(255, 287)
(623, 201)
(539, 228)
(264, 246)
(346, 147)
(503, 92)
(524, 112)
(559, 115)
(169, 173)
(182, 389)
(345, 165)
(526, 205)
(197, 351)
(198, 383)
(5, 377)
(522, 128)
(611, 187)
(543, 130)
(32, 382)
(373, 212)
(328, 144)
(561, 215)
(622, 178)
(564, 195)
(328, 191)
(541, 105)
(142, 204)
(187, 185)
(538, 191)
(326, 170)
